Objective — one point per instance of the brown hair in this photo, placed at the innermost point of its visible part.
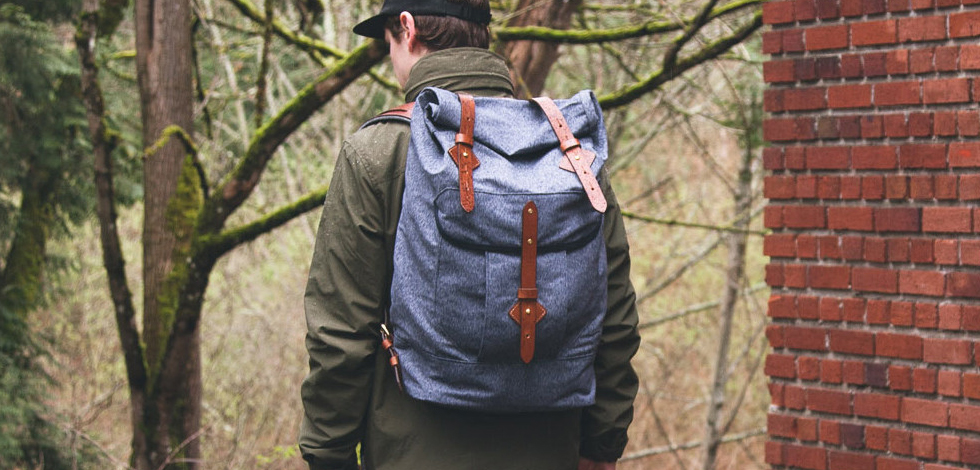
(443, 32)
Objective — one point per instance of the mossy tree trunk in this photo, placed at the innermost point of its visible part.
(531, 61)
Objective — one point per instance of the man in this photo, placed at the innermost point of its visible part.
(350, 395)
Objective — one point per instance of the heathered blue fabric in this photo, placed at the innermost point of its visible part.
(456, 274)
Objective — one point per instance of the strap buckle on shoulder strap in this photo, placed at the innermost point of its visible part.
(576, 158)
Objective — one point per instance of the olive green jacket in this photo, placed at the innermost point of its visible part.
(350, 396)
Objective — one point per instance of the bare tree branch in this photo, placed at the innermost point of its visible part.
(103, 143)
(710, 51)
(592, 36)
(240, 183)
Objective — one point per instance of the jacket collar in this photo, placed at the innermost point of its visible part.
(462, 69)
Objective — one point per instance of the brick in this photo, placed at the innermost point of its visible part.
(923, 4)
(936, 466)
(851, 248)
(969, 57)
(875, 64)
(947, 219)
(779, 245)
(810, 458)
(924, 380)
(828, 401)
(971, 252)
(923, 28)
(896, 187)
(849, 96)
(779, 187)
(828, 158)
(877, 313)
(946, 252)
(799, 337)
(947, 58)
(827, 67)
(895, 125)
(876, 437)
(851, 435)
(964, 417)
(850, 218)
(772, 216)
(971, 320)
(793, 41)
(971, 386)
(805, 10)
(969, 187)
(963, 25)
(920, 187)
(922, 282)
(922, 250)
(829, 277)
(853, 309)
(874, 249)
(772, 101)
(774, 334)
(850, 187)
(827, 9)
(964, 155)
(891, 463)
(876, 374)
(945, 186)
(776, 392)
(828, 187)
(926, 315)
(805, 99)
(806, 429)
(948, 447)
(794, 397)
(774, 453)
(922, 60)
(874, 33)
(900, 441)
(950, 316)
(945, 123)
(898, 346)
(968, 123)
(899, 378)
(920, 124)
(872, 126)
(924, 445)
(806, 246)
(805, 216)
(949, 383)
(829, 247)
(898, 6)
(826, 37)
(931, 156)
(772, 42)
(898, 249)
(874, 280)
(782, 306)
(900, 313)
(927, 412)
(830, 371)
(772, 158)
(953, 90)
(897, 220)
(877, 157)
(782, 129)
(852, 342)
(805, 69)
(876, 405)
(777, 12)
(851, 461)
(897, 62)
(808, 368)
(872, 187)
(830, 432)
(970, 451)
(947, 351)
(963, 284)
(827, 128)
(850, 8)
(853, 372)
(896, 93)
(781, 425)
(794, 275)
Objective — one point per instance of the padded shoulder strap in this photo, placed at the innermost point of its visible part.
(401, 113)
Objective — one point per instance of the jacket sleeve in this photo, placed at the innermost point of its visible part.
(604, 424)
(344, 300)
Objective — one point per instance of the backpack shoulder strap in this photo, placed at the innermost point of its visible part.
(401, 113)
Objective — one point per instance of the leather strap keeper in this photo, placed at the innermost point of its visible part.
(576, 158)
(462, 153)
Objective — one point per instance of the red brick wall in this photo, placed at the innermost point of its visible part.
(873, 187)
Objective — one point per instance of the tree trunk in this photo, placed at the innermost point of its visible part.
(736, 242)
(531, 61)
(170, 419)
(23, 274)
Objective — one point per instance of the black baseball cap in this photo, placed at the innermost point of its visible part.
(374, 27)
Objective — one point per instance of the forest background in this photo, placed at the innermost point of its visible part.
(162, 164)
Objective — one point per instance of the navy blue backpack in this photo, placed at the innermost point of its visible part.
(499, 287)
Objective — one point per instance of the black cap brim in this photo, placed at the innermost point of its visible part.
(373, 27)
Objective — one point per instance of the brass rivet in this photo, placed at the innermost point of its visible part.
(576, 157)
(465, 154)
(528, 311)
(530, 241)
(530, 210)
(527, 336)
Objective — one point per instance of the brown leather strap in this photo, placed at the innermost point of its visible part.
(527, 312)
(404, 111)
(462, 152)
(576, 158)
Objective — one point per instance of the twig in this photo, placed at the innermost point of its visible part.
(690, 445)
